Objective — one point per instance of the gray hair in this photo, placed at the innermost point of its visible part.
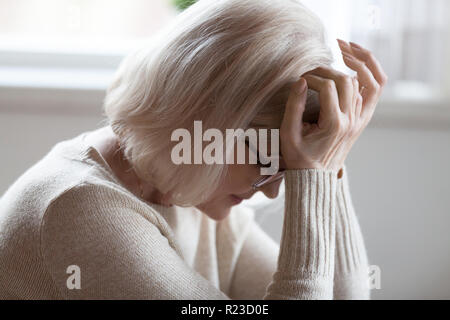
(228, 63)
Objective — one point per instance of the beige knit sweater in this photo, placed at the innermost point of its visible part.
(69, 209)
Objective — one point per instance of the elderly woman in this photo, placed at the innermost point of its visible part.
(108, 214)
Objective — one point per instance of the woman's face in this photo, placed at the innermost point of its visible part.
(237, 186)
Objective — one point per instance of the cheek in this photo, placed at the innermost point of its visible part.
(240, 178)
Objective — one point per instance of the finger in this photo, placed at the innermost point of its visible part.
(344, 46)
(295, 106)
(328, 97)
(359, 103)
(367, 57)
(357, 99)
(366, 78)
(346, 50)
(344, 85)
(371, 62)
(355, 82)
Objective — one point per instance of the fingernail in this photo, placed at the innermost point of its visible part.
(342, 42)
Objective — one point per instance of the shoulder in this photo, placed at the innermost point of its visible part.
(61, 169)
(90, 203)
(89, 215)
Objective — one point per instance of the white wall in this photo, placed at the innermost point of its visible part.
(400, 183)
(399, 178)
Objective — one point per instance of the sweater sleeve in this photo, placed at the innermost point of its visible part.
(120, 252)
(305, 267)
(321, 255)
(351, 267)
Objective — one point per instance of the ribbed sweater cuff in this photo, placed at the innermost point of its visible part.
(351, 256)
(308, 235)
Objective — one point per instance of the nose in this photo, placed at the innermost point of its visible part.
(271, 190)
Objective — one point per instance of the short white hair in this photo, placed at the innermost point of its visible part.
(228, 63)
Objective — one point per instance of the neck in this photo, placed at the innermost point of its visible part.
(107, 145)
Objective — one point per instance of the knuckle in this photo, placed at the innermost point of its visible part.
(329, 85)
(384, 79)
(341, 127)
(375, 86)
(295, 89)
(370, 56)
(360, 64)
(335, 129)
(359, 97)
(346, 80)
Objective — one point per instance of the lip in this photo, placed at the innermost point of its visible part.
(236, 199)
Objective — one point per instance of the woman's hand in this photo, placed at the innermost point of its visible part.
(346, 107)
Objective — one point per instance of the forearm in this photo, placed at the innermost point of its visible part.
(306, 258)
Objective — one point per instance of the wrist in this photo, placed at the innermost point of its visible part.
(302, 165)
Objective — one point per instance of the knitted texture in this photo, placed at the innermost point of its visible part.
(69, 209)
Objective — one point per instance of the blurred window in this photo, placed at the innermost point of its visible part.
(72, 44)
(80, 25)
(409, 37)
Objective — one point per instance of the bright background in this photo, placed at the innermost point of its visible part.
(57, 57)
